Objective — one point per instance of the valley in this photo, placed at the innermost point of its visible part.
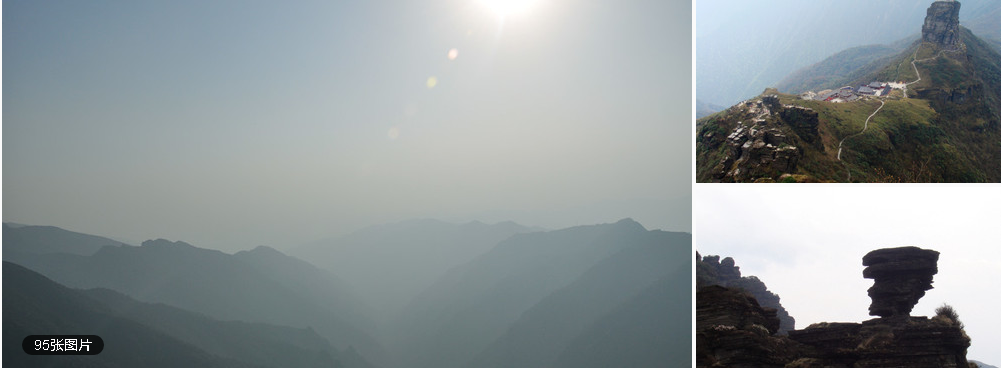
(511, 296)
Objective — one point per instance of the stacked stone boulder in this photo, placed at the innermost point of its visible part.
(902, 275)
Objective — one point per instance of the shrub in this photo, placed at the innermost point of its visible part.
(947, 311)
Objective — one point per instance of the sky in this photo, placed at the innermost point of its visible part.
(232, 124)
(743, 47)
(806, 244)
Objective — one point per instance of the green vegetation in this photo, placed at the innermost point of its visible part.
(948, 312)
(947, 129)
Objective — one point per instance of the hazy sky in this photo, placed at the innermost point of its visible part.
(229, 124)
(745, 46)
(806, 244)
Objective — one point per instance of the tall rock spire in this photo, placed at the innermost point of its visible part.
(942, 23)
(902, 275)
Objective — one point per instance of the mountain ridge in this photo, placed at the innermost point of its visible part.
(220, 285)
(941, 122)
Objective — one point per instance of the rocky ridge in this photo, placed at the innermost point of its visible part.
(759, 146)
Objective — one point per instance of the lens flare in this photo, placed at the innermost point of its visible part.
(453, 53)
(393, 133)
(432, 81)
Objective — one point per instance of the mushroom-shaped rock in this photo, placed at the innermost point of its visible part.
(901, 275)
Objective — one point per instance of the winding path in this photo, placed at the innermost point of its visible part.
(883, 103)
(916, 71)
(866, 126)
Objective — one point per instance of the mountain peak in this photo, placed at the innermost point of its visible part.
(263, 250)
(164, 243)
(942, 23)
(629, 222)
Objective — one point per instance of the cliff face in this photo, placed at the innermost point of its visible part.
(732, 330)
(942, 23)
(712, 271)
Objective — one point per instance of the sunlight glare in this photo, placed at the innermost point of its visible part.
(504, 8)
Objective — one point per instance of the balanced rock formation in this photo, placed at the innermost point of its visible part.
(942, 23)
(902, 275)
(733, 330)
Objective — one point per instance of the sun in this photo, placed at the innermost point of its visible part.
(504, 8)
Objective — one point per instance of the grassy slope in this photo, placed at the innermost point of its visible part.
(836, 70)
(901, 143)
(948, 131)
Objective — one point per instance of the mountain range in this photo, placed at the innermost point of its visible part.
(593, 293)
(144, 334)
(261, 285)
(411, 255)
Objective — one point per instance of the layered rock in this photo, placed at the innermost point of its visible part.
(732, 330)
(710, 270)
(941, 25)
(902, 275)
(758, 147)
(804, 122)
(917, 342)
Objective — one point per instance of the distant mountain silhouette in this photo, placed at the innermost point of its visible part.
(34, 305)
(262, 285)
(545, 330)
(411, 255)
(475, 304)
(982, 365)
(652, 329)
(50, 239)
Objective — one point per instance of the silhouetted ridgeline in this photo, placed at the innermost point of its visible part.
(588, 296)
(143, 335)
(565, 280)
(409, 255)
(261, 285)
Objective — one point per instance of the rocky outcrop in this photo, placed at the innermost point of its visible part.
(804, 122)
(731, 328)
(901, 275)
(762, 142)
(916, 342)
(710, 270)
(942, 23)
